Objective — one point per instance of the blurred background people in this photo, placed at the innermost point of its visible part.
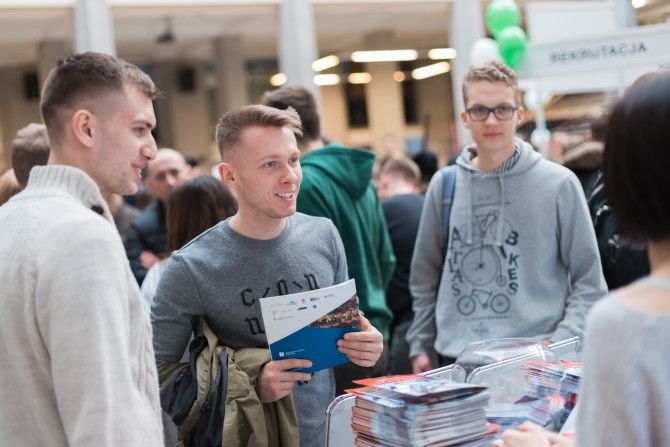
(402, 204)
(146, 239)
(29, 148)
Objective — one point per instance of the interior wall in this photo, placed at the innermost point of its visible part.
(15, 110)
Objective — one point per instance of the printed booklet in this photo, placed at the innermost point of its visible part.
(307, 325)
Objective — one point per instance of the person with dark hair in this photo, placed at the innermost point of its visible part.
(146, 240)
(625, 395)
(337, 184)
(428, 165)
(265, 249)
(195, 206)
(520, 258)
(77, 360)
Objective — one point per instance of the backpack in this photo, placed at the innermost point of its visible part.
(623, 262)
(448, 186)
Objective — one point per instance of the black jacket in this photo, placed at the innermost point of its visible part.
(147, 233)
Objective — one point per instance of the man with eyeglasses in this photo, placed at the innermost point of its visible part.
(521, 255)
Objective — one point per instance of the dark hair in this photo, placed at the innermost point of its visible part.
(29, 148)
(80, 80)
(427, 162)
(303, 102)
(195, 206)
(491, 71)
(230, 126)
(636, 159)
(599, 128)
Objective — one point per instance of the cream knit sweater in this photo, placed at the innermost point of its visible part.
(76, 358)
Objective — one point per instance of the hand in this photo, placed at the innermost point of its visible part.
(532, 435)
(148, 259)
(277, 382)
(363, 348)
(421, 364)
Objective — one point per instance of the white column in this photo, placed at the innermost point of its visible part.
(297, 44)
(93, 26)
(467, 26)
(626, 16)
(231, 85)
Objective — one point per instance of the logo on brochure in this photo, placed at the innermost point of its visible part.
(302, 308)
(281, 354)
(314, 298)
(292, 303)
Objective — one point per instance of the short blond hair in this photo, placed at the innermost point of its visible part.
(491, 71)
(230, 126)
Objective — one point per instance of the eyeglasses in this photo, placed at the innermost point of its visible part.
(481, 113)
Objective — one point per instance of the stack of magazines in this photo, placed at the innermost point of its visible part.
(420, 411)
(550, 395)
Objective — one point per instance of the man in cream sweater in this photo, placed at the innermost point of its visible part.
(77, 363)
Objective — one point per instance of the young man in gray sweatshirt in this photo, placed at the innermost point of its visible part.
(266, 249)
(521, 257)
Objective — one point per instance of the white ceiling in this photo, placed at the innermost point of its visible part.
(342, 26)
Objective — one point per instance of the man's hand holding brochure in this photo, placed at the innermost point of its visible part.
(323, 326)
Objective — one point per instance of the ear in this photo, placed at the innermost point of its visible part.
(519, 116)
(83, 127)
(464, 118)
(227, 175)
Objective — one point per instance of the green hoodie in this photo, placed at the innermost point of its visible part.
(336, 184)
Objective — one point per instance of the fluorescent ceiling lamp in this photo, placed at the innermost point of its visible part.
(325, 62)
(431, 70)
(326, 79)
(442, 53)
(278, 79)
(384, 56)
(399, 76)
(360, 78)
(638, 3)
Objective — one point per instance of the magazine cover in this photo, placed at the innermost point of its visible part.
(307, 325)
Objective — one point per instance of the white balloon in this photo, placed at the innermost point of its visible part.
(539, 138)
(484, 50)
(534, 100)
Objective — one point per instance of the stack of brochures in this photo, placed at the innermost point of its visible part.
(550, 395)
(420, 411)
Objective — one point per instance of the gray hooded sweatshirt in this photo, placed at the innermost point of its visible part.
(522, 259)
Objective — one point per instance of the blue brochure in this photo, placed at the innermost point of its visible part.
(307, 325)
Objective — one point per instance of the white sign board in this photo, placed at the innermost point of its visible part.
(552, 21)
(607, 61)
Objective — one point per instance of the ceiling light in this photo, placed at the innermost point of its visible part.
(399, 76)
(384, 56)
(360, 78)
(325, 62)
(442, 53)
(278, 79)
(638, 3)
(326, 79)
(431, 70)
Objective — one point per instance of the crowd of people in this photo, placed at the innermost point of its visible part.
(111, 306)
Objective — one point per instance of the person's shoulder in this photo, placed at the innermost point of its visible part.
(299, 219)
(207, 241)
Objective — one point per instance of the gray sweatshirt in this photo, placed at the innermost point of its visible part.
(222, 274)
(522, 258)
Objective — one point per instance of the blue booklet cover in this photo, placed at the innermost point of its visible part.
(307, 325)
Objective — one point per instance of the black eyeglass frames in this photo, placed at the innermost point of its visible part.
(480, 113)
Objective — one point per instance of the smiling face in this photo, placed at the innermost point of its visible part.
(165, 173)
(492, 135)
(124, 144)
(264, 169)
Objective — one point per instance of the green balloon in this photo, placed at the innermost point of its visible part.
(512, 45)
(500, 14)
